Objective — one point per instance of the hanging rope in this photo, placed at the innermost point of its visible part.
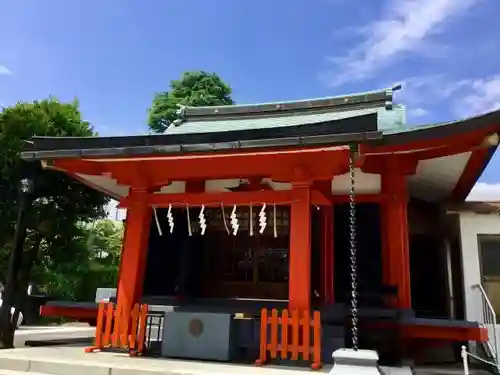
(352, 245)
(224, 217)
(157, 221)
(251, 220)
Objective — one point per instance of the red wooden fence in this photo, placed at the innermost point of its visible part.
(293, 336)
(120, 329)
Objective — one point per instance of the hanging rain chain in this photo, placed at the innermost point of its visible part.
(352, 245)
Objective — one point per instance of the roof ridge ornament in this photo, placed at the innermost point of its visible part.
(389, 103)
(181, 115)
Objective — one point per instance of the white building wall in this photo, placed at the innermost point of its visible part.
(472, 225)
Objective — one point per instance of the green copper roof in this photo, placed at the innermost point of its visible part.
(387, 119)
(284, 114)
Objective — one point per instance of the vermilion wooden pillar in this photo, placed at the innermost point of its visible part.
(394, 222)
(134, 252)
(299, 294)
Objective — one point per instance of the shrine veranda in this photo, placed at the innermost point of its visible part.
(241, 208)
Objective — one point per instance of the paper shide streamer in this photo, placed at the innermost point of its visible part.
(262, 219)
(170, 218)
(202, 220)
(234, 221)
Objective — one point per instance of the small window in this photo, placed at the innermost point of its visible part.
(489, 250)
(490, 256)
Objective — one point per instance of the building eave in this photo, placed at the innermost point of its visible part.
(356, 129)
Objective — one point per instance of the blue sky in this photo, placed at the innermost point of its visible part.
(113, 55)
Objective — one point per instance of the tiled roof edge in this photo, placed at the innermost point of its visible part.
(384, 97)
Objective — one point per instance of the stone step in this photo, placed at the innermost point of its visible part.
(110, 364)
(10, 372)
(451, 370)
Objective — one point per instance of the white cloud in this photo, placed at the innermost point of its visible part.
(464, 97)
(483, 192)
(483, 95)
(406, 26)
(417, 112)
(4, 70)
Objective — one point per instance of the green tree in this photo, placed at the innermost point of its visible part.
(193, 89)
(95, 263)
(60, 202)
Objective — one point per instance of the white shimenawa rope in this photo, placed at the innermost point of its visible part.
(466, 353)
(158, 226)
(275, 226)
(224, 217)
(251, 221)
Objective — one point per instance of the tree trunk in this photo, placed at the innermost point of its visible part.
(24, 278)
(7, 326)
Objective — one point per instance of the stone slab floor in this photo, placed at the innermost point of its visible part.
(72, 360)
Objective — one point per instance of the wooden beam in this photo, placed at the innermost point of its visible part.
(376, 164)
(195, 186)
(277, 166)
(448, 145)
(256, 198)
(472, 171)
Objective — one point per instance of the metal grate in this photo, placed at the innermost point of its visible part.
(154, 333)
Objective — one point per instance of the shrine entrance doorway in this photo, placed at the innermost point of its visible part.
(219, 264)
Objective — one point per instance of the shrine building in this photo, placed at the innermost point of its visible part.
(240, 210)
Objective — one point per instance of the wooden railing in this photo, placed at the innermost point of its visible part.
(120, 329)
(293, 336)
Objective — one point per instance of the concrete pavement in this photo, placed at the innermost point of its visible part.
(65, 360)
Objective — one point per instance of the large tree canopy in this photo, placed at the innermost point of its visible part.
(193, 89)
(55, 240)
(61, 200)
